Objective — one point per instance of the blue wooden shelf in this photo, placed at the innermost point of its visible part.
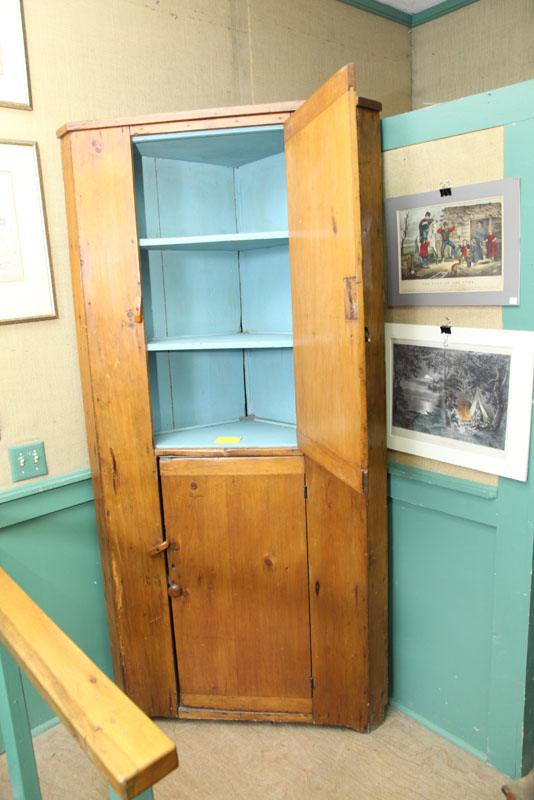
(224, 241)
(229, 147)
(222, 341)
(252, 432)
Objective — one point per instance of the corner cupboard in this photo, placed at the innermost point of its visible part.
(228, 284)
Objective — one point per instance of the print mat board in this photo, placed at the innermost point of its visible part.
(463, 398)
(461, 249)
(14, 85)
(26, 289)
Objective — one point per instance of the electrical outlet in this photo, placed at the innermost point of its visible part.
(27, 461)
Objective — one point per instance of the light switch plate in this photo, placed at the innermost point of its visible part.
(27, 461)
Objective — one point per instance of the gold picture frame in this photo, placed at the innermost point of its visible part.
(14, 73)
(26, 284)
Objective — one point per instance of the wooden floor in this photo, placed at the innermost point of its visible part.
(249, 761)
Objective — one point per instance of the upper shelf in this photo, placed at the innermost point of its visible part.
(222, 341)
(229, 147)
(224, 241)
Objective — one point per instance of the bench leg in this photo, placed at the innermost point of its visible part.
(17, 732)
(146, 795)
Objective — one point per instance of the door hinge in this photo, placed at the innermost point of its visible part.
(305, 492)
(312, 682)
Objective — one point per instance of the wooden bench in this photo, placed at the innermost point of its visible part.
(124, 744)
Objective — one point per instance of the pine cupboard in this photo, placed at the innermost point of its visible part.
(228, 285)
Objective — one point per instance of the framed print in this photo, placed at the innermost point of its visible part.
(26, 288)
(463, 398)
(14, 83)
(457, 250)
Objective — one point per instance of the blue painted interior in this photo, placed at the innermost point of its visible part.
(270, 384)
(266, 290)
(261, 196)
(207, 387)
(201, 293)
(212, 210)
(194, 199)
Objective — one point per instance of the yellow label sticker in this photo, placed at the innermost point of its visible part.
(227, 440)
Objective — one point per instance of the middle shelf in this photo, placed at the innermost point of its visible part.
(222, 241)
(222, 341)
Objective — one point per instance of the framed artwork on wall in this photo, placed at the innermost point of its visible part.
(464, 398)
(14, 81)
(26, 287)
(457, 250)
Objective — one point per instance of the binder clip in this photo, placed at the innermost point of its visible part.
(445, 189)
(446, 330)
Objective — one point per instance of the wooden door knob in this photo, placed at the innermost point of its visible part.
(174, 590)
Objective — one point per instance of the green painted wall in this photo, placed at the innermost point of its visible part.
(462, 644)
(49, 546)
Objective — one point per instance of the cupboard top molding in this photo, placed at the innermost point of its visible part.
(228, 113)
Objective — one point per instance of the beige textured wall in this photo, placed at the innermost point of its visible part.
(483, 46)
(101, 58)
(470, 158)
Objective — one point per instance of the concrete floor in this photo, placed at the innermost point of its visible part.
(252, 761)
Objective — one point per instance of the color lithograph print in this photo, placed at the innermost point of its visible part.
(462, 249)
(459, 394)
(456, 247)
(463, 397)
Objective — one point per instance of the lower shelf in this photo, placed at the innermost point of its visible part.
(249, 432)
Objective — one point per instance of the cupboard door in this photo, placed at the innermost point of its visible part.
(238, 572)
(335, 216)
(335, 253)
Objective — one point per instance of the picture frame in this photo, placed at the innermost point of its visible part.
(14, 73)
(464, 398)
(26, 284)
(461, 249)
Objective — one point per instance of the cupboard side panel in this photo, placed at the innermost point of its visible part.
(89, 411)
(369, 161)
(106, 234)
(339, 600)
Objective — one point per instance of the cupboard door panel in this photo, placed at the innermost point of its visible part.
(325, 233)
(348, 604)
(238, 554)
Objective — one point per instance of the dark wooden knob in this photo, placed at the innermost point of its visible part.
(174, 590)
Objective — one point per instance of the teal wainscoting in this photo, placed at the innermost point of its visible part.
(49, 546)
(459, 612)
(462, 632)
